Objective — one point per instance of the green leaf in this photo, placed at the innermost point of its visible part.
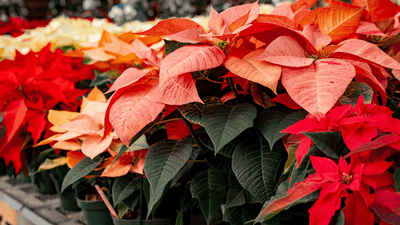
(274, 119)
(67, 48)
(44, 153)
(237, 195)
(299, 174)
(123, 148)
(122, 209)
(187, 167)
(132, 200)
(193, 112)
(239, 215)
(229, 148)
(171, 46)
(81, 169)
(51, 164)
(187, 202)
(340, 220)
(353, 92)
(163, 162)
(291, 158)
(260, 97)
(397, 179)
(123, 187)
(103, 78)
(224, 123)
(209, 187)
(256, 166)
(330, 143)
(140, 143)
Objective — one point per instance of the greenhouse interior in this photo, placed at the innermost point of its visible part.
(199, 112)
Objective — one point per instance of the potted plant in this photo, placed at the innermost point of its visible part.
(245, 114)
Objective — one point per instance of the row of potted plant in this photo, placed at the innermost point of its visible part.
(277, 118)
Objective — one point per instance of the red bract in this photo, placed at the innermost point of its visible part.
(353, 181)
(30, 86)
(358, 125)
(16, 26)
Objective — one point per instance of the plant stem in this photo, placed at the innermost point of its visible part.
(140, 204)
(232, 86)
(213, 81)
(167, 121)
(189, 126)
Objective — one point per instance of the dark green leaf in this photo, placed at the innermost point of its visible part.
(81, 169)
(171, 46)
(2, 131)
(397, 179)
(330, 143)
(193, 112)
(256, 166)
(237, 195)
(123, 187)
(187, 202)
(224, 123)
(123, 148)
(299, 174)
(122, 209)
(44, 153)
(340, 220)
(274, 119)
(102, 78)
(209, 187)
(132, 200)
(163, 162)
(187, 167)
(67, 48)
(239, 215)
(353, 92)
(291, 158)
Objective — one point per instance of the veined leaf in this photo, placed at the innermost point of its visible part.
(189, 59)
(366, 52)
(131, 76)
(338, 23)
(163, 162)
(182, 30)
(209, 187)
(274, 120)
(317, 87)
(285, 51)
(224, 123)
(178, 90)
(245, 63)
(237, 195)
(123, 187)
(83, 168)
(50, 164)
(256, 165)
(132, 110)
(260, 97)
(240, 215)
(330, 143)
(193, 111)
(353, 92)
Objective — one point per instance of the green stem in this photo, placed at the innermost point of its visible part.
(189, 126)
(232, 86)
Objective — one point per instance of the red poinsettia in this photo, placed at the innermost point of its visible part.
(358, 125)
(16, 25)
(357, 182)
(30, 85)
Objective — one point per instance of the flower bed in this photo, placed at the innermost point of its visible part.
(289, 117)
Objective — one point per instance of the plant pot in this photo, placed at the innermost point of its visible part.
(169, 221)
(96, 212)
(68, 200)
(43, 184)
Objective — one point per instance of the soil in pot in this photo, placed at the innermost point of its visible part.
(94, 209)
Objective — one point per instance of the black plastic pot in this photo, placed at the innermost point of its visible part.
(68, 200)
(169, 221)
(96, 212)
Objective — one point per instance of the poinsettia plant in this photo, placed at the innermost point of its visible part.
(31, 85)
(280, 118)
